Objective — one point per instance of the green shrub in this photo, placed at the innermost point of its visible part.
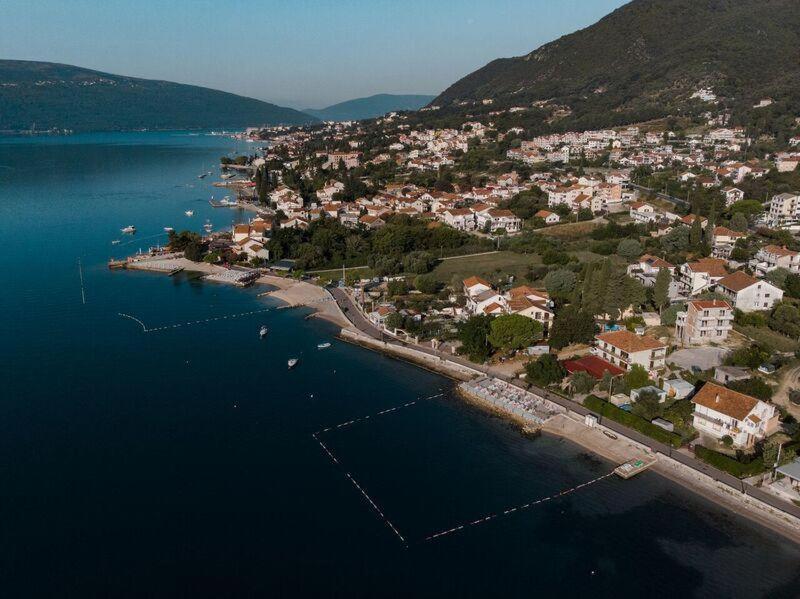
(633, 421)
(728, 464)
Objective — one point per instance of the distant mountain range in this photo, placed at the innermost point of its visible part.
(645, 61)
(50, 95)
(371, 107)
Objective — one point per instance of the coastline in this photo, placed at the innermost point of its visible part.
(294, 293)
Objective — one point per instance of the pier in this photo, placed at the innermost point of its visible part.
(634, 467)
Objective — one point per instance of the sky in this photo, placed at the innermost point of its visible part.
(298, 53)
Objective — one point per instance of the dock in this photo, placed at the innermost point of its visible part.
(634, 467)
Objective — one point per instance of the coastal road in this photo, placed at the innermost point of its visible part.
(362, 324)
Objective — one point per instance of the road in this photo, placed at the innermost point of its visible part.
(355, 316)
(662, 196)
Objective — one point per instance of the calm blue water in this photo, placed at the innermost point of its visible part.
(181, 463)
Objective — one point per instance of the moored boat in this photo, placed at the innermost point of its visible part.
(262, 332)
(129, 229)
(189, 213)
(292, 362)
(325, 345)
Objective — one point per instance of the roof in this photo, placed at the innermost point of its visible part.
(525, 290)
(725, 401)
(592, 365)
(630, 342)
(655, 261)
(710, 304)
(472, 281)
(779, 251)
(726, 232)
(791, 470)
(544, 213)
(713, 266)
(737, 281)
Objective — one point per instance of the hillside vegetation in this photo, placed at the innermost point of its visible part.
(646, 59)
(50, 96)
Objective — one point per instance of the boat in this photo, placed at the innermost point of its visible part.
(115, 242)
(129, 229)
(610, 435)
(262, 332)
(203, 176)
(208, 227)
(292, 362)
(168, 229)
(227, 176)
(323, 345)
(189, 213)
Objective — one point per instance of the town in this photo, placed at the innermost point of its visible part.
(649, 273)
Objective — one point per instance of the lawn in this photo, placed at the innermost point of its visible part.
(769, 338)
(569, 231)
(488, 266)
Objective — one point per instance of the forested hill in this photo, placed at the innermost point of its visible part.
(371, 107)
(60, 96)
(647, 58)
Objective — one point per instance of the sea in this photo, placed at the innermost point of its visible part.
(189, 461)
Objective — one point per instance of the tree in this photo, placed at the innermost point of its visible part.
(739, 222)
(637, 377)
(670, 315)
(582, 383)
(426, 284)
(661, 288)
(394, 321)
(545, 371)
(647, 405)
(754, 387)
(778, 276)
(397, 287)
(677, 240)
(193, 251)
(560, 283)
(792, 286)
(571, 325)
(473, 335)
(696, 234)
(629, 249)
(514, 331)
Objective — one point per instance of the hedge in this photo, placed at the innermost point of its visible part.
(728, 464)
(633, 421)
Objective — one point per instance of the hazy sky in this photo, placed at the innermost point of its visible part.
(300, 53)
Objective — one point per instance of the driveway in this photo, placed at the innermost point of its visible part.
(704, 358)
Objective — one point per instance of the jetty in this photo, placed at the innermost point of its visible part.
(633, 467)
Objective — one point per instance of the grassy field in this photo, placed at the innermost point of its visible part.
(488, 267)
(769, 338)
(569, 231)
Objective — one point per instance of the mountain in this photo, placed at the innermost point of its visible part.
(647, 58)
(67, 97)
(369, 108)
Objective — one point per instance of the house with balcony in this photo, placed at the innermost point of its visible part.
(747, 293)
(646, 269)
(703, 322)
(642, 212)
(625, 349)
(771, 257)
(482, 298)
(533, 303)
(724, 240)
(697, 277)
(720, 412)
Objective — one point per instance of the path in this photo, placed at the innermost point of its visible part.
(790, 381)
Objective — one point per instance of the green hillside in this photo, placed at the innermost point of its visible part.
(646, 59)
(66, 97)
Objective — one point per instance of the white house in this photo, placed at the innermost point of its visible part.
(720, 412)
(549, 218)
(747, 293)
(697, 277)
(532, 303)
(642, 212)
(498, 218)
(462, 219)
(771, 257)
(646, 269)
(481, 298)
(624, 349)
(784, 211)
(703, 322)
(732, 195)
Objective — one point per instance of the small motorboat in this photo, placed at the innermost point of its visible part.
(203, 176)
(168, 229)
(262, 332)
(208, 227)
(130, 229)
(227, 176)
(189, 213)
(610, 435)
(292, 362)
(325, 345)
(115, 242)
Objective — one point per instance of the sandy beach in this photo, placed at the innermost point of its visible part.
(300, 293)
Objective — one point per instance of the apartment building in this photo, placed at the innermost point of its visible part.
(720, 412)
(624, 349)
(703, 322)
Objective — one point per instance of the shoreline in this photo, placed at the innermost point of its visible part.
(293, 293)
